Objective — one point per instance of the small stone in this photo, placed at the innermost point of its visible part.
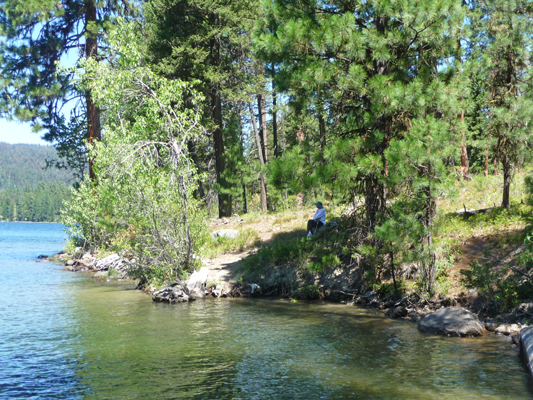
(225, 233)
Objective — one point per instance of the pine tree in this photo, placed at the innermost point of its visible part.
(205, 41)
(37, 36)
(505, 52)
(380, 71)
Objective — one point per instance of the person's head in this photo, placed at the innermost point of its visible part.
(318, 204)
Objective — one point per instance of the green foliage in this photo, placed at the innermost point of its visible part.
(495, 285)
(316, 255)
(143, 201)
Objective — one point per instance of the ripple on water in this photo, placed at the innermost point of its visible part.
(65, 336)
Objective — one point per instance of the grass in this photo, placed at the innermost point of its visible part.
(247, 239)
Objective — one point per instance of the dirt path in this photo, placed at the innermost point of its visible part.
(222, 269)
(282, 226)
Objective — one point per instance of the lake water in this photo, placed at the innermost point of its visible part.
(64, 335)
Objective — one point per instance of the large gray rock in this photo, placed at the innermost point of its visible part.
(196, 283)
(452, 322)
(175, 293)
(526, 346)
(112, 261)
(225, 233)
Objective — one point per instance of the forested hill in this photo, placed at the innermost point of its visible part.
(23, 165)
(28, 192)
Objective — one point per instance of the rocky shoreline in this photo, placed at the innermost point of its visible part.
(116, 267)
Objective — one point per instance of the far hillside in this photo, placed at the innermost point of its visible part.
(24, 164)
(28, 190)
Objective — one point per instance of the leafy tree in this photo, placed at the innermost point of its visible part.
(146, 178)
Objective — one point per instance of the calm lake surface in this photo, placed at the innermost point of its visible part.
(65, 336)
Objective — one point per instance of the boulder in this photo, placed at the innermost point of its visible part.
(174, 293)
(526, 346)
(505, 329)
(452, 322)
(196, 283)
(112, 261)
(396, 312)
(225, 233)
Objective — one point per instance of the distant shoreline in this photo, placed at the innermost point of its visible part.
(29, 222)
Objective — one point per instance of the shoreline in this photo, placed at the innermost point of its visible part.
(30, 222)
(408, 308)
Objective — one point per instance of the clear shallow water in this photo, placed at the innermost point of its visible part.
(64, 335)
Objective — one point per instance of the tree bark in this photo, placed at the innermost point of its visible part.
(262, 125)
(264, 204)
(93, 112)
(224, 199)
(244, 202)
(486, 171)
(506, 164)
(275, 123)
(465, 166)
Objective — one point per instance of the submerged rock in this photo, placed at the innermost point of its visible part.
(396, 312)
(174, 293)
(452, 322)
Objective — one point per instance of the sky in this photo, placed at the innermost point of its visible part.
(16, 132)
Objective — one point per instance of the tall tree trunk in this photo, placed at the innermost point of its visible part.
(465, 166)
(262, 125)
(264, 204)
(275, 123)
(224, 199)
(486, 171)
(274, 115)
(506, 165)
(244, 202)
(93, 112)
(430, 264)
(322, 131)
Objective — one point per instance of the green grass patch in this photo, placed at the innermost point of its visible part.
(247, 238)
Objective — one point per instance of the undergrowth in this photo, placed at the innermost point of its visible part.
(247, 238)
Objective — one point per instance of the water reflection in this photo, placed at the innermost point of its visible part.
(261, 349)
(65, 335)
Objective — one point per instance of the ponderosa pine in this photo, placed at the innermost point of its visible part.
(385, 71)
(37, 37)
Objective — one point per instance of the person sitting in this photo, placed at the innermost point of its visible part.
(318, 220)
